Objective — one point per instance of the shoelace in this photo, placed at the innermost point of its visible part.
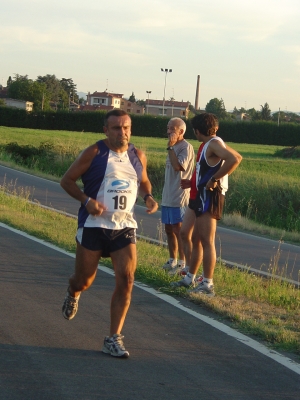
(118, 341)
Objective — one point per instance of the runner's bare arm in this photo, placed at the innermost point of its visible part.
(76, 170)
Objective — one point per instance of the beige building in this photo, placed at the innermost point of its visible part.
(108, 101)
(104, 99)
(25, 105)
(131, 108)
(169, 108)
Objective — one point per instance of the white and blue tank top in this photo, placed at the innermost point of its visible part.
(112, 179)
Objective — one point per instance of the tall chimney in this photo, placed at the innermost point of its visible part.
(197, 93)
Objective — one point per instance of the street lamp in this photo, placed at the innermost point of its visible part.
(166, 70)
(148, 92)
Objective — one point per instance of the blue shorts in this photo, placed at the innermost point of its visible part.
(172, 215)
(107, 240)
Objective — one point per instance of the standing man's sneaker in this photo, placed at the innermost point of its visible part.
(177, 270)
(168, 266)
(202, 288)
(182, 283)
(70, 306)
(114, 346)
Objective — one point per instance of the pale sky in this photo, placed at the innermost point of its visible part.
(246, 52)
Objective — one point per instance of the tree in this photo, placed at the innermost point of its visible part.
(53, 86)
(132, 98)
(70, 88)
(2, 103)
(26, 89)
(141, 103)
(9, 81)
(217, 107)
(265, 112)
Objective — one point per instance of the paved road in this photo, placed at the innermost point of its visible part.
(236, 247)
(173, 353)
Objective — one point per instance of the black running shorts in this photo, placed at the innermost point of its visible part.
(107, 240)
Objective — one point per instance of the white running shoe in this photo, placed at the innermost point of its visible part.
(114, 346)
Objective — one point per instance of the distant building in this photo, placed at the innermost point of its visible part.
(242, 117)
(99, 99)
(24, 105)
(131, 108)
(170, 108)
(108, 101)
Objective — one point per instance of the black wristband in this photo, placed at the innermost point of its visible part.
(146, 197)
(213, 179)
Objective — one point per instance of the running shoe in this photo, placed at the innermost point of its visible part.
(70, 306)
(182, 283)
(201, 288)
(199, 279)
(168, 266)
(178, 270)
(114, 346)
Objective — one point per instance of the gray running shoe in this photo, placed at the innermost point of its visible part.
(114, 346)
(177, 270)
(70, 306)
(167, 266)
(201, 288)
(182, 283)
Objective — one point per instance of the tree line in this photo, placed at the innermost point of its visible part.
(217, 107)
(46, 92)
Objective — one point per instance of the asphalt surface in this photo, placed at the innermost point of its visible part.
(258, 253)
(173, 354)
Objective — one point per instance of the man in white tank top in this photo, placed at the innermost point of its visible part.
(114, 173)
(216, 162)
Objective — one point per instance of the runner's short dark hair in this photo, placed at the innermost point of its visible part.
(206, 123)
(116, 112)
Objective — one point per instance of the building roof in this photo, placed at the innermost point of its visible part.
(105, 94)
(168, 103)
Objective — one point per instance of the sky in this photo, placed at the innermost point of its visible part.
(246, 52)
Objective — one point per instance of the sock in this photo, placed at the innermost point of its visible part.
(208, 282)
(181, 263)
(189, 278)
(173, 262)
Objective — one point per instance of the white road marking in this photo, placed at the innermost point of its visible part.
(274, 355)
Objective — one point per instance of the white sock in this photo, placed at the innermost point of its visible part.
(189, 278)
(181, 263)
(173, 262)
(208, 282)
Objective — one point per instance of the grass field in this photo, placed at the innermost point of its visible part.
(264, 189)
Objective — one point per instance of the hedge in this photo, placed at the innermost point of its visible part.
(256, 132)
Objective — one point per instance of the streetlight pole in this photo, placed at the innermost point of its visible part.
(148, 92)
(166, 70)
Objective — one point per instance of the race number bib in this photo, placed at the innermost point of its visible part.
(120, 194)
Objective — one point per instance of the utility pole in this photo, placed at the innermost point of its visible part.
(148, 92)
(166, 70)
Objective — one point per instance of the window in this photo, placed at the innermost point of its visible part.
(128, 110)
(95, 101)
(138, 111)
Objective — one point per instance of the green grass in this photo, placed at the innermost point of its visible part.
(268, 309)
(264, 188)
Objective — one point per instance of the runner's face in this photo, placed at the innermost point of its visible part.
(118, 131)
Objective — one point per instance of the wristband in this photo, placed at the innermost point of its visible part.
(87, 200)
(146, 197)
(213, 179)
